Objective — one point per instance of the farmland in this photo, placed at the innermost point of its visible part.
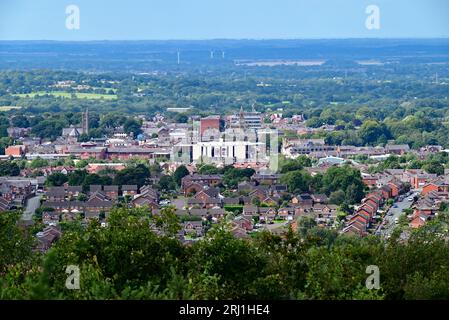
(69, 95)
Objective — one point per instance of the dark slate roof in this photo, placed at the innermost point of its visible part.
(231, 201)
(74, 188)
(110, 188)
(56, 192)
(95, 187)
(129, 187)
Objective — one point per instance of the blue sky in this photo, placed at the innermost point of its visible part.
(212, 19)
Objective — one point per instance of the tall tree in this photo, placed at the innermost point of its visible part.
(180, 173)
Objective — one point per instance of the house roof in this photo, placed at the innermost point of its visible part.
(231, 201)
(95, 187)
(56, 192)
(320, 197)
(129, 187)
(216, 211)
(110, 188)
(211, 192)
(74, 188)
(198, 212)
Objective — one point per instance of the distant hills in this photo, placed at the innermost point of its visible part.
(145, 56)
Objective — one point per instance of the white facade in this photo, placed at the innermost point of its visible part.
(227, 152)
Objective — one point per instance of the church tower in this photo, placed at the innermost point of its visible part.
(85, 121)
(242, 119)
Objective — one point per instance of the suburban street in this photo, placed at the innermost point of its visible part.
(32, 204)
(395, 212)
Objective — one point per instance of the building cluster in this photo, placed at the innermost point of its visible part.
(368, 212)
(241, 139)
(237, 139)
(15, 191)
(317, 149)
(416, 178)
(434, 194)
(244, 140)
(261, 201)
(69, 202)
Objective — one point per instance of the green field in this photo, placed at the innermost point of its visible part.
(89, 96)
(8, 108)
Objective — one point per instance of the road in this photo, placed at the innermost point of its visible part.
(32, 204)
(393, 213)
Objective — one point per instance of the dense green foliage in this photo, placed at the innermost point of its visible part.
(9, 168)
(180, 173)
(126, 260)
(232, 176)
(137, 175)
(133, 174)
(368, 107)
(342, 184)
(434, 163)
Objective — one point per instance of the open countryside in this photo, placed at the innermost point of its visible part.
(69, 95)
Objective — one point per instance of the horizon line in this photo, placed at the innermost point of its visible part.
(230, 39)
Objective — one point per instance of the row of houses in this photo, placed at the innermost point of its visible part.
(427, 207)
(100, 152)
(322, 213)
(67, 192)
(16, 191)
(433, 195)
(317, 148)
(62, 201)
(90, 168)
(417, 178)
(439, 184)
(191, 183)
(97, 204)
(203, 192)
(365, 214)
(48, 170)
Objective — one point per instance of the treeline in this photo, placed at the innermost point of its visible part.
(434, 163)
(50, 125)
(364, 110)
(311, 93)
(132, 175)
(411, 124)
(126, 260)
(343, 185)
